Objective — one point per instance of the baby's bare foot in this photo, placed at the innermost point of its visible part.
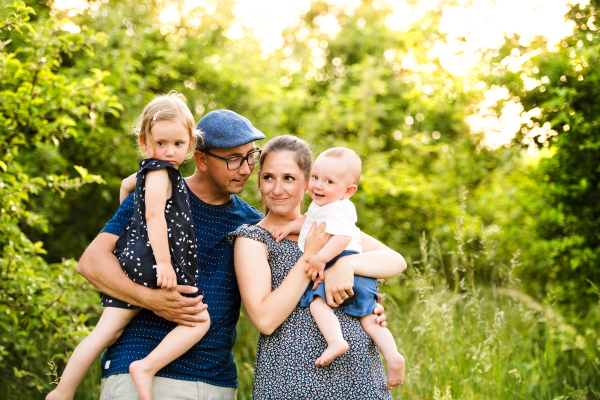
(332, 351)
(142, 376)
(395, 372)
(56, 395)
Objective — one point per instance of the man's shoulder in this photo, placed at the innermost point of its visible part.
(245, 209)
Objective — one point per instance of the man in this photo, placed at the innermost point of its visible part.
(225, 158)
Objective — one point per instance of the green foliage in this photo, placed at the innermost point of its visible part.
(568, 222)
(44, 306)
(504, 220)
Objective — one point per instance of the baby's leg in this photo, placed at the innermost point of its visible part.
(175, 344)
(110, 327)
(387, 345)
(330, 328)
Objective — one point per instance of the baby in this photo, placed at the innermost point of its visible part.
(332, 181)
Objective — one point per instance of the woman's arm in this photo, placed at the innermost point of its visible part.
(268, 309)
(376, 261)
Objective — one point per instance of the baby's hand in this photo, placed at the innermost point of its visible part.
(316, 268)
(165, 276)
(279, 232)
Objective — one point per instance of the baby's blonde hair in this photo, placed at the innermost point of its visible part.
(348, 155)
(165, 107)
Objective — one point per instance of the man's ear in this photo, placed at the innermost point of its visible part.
(200, 159)
(350, 191)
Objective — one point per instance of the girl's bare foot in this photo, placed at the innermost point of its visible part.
(142, 376)
(395, 372)
(56, 395)
(332, 351)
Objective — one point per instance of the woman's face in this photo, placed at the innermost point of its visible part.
(282, 184)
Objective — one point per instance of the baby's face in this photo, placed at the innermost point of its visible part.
(329, 180)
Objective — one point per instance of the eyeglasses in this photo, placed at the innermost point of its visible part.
(238, 161)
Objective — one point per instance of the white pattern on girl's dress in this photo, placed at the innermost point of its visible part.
(285, 366)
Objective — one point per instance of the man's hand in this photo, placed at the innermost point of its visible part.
(165, 276)
(171, 305)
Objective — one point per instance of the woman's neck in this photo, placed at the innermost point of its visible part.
(272, 219)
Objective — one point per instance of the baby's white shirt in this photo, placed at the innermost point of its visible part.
(340, 218)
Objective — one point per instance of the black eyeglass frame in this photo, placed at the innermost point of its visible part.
(244, 158)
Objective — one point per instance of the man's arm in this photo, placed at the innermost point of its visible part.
(127, 186)
(101, 268)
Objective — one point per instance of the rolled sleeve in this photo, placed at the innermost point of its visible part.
(119, 221)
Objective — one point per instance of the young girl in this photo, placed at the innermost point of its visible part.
(332, 181)
(157, 249)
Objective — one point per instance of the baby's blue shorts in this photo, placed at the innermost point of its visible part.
(365, 292)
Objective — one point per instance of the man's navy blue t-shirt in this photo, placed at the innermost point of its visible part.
(211, 359)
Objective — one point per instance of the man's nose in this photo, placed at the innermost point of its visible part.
(245, 168)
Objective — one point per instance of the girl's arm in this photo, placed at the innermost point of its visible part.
(127, 186)
(376, 261)
(157, 193)
(268, 309)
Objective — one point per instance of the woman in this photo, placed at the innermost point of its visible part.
(272, 278)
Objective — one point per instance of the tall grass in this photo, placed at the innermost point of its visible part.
(463, 340)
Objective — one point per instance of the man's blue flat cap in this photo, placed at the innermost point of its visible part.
(224, 129)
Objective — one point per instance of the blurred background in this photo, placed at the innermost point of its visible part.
(476, 121)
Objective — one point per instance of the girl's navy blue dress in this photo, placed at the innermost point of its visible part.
(133, 247)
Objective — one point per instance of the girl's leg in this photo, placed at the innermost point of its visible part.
(387, 345)
(177, 342)
(330, 328)
(110, 327)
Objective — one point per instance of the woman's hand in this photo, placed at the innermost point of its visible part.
(339, 280)
(379, 312)
(316, 239)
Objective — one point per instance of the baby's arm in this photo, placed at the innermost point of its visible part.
(157, 188)
(127, 186)
(294, 227)
(316, 263)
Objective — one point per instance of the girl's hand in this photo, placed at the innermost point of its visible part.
(165, 276)
(316, 239)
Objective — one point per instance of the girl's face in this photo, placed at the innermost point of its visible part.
(171, 142)
(282, 184)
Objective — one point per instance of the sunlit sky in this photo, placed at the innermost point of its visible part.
(469, 28)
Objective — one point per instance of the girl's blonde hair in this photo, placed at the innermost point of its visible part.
(165, 107)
